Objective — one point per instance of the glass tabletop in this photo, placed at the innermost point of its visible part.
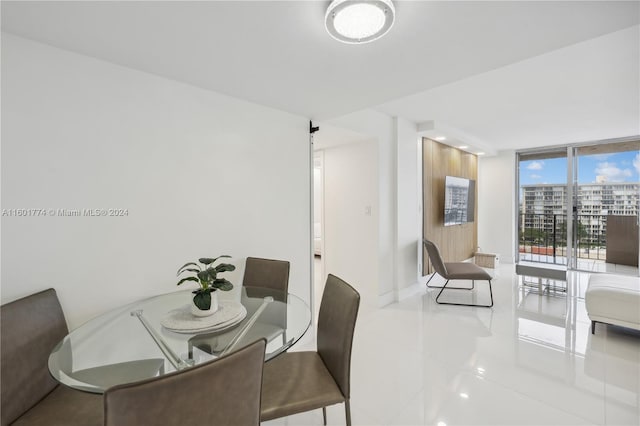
(131, 343)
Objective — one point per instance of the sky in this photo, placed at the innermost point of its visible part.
(616, 167)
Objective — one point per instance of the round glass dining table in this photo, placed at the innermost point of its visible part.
(151, 337)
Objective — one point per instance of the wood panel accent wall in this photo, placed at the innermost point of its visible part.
(457, 242)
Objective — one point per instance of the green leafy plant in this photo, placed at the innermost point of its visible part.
(206, 275)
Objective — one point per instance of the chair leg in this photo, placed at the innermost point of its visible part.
(430, 278)
(347, 411)
(463, 304)
(593, 327)
(490, 294)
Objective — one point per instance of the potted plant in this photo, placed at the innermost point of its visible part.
(205, 301)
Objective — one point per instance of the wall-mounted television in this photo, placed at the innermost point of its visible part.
(459, 200)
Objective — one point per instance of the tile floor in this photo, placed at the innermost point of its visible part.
(592, 265)
(530, 360)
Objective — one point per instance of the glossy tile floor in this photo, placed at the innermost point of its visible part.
(530, 360)
(591, 265)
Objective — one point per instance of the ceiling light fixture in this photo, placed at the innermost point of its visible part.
(463, 147)
(440, 138)
(480, 153)
(359, 21)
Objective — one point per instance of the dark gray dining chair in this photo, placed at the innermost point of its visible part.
(267, 273)
(262, 278)
(225, 391)
(30, 328)
(269, 277)
(295, 382)
(455, 271)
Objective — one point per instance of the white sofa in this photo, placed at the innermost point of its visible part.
(613, 299)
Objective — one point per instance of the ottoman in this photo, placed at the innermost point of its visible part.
(613, 299)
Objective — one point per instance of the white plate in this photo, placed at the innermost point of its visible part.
(182, 321)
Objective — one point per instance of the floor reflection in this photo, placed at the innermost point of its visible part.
(530, 360)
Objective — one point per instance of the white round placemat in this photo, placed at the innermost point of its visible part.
(182, 321)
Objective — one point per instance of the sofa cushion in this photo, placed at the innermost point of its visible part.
(65, 407)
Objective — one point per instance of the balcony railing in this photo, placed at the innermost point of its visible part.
(543, 237)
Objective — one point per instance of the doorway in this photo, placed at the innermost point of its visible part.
(318, 228)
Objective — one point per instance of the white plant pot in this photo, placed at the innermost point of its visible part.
(212, 309)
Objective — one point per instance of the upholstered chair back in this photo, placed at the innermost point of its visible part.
(30, 328)
(436, 258)
(225, 391)
(336, 325)
(267, 273)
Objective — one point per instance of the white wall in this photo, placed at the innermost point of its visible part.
(351, 230)
(201, 174)
(496, 205)
(399, 199)
(408, 213)
(380, 127)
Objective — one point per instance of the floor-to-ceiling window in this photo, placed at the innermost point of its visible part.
(606, 204)
(578, 207)
(542, 207)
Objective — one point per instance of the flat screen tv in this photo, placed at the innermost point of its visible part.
(459, 200)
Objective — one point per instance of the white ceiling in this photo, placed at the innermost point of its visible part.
(512, 73)
(586, 92)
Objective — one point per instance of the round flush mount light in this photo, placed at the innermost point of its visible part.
(359, 21)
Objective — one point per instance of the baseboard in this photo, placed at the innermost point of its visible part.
(407, 292)
(386, 299)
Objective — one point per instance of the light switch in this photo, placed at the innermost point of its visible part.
(367, 210)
